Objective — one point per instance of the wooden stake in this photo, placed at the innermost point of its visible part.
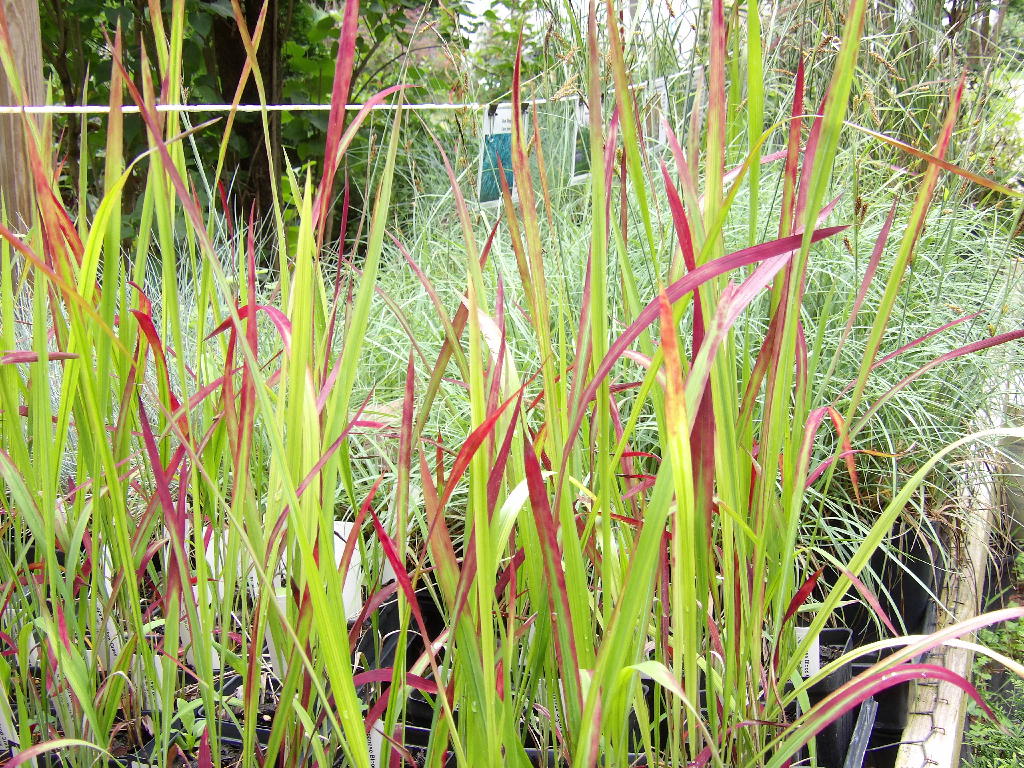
(27, 53)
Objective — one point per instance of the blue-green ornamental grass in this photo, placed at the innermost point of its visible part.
(601, 426)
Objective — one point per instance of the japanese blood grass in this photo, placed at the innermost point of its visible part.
(564, 633)
(566, 561)
(621, 590)
(98, 576)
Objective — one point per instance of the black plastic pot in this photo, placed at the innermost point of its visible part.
(894, 702)
(229, 747)
(832, 643)
(854, 753)
(419, 713)
(833, 742)
(230, 741)
(911, 583)
(231, 732)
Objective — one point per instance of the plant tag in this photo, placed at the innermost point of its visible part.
(278, 656)
(375, 741)
(8, 737)
(352, 588)
(213, 555)
(110, 647)
(496, 154)
(113, 643)
(811, 663)
(148, 687)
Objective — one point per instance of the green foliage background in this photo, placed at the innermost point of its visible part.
(409, 41)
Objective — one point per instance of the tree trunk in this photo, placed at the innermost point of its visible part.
(230, 55)
(27, 53)
(997, 25)
(984, 37)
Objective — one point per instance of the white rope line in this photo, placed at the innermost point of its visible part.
(132, 109)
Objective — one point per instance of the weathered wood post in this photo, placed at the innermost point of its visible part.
(27, 53)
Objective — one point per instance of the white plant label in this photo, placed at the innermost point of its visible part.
(277, 659)
(352, 589)
(811, 663)
(375, 741)
(150, 693)
(113, 643)
(495, 154)
(216, 577)
(113, 639)
(8, 735)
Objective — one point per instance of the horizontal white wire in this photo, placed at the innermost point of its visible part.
(131, 109)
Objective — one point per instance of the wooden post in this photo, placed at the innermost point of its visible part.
(15, 174)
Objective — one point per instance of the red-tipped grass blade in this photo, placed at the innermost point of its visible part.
(869, 273)
(789, 174)
(385, 674)
(27, 356)
(277, 317)
(791, 610)
(871, 600)
(867, 684)
(343, 67)
(968, 349)
(731, 303)
(50, 746)
(685, 285)
(938, 160)
(547, 528)
(910, 345)
(819, 470)
(847, 449)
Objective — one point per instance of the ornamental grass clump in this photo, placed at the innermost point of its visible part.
(607, 564)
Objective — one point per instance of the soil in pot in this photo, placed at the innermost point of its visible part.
(230, 754)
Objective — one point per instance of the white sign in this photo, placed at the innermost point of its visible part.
(811, 663)
(495, 154)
